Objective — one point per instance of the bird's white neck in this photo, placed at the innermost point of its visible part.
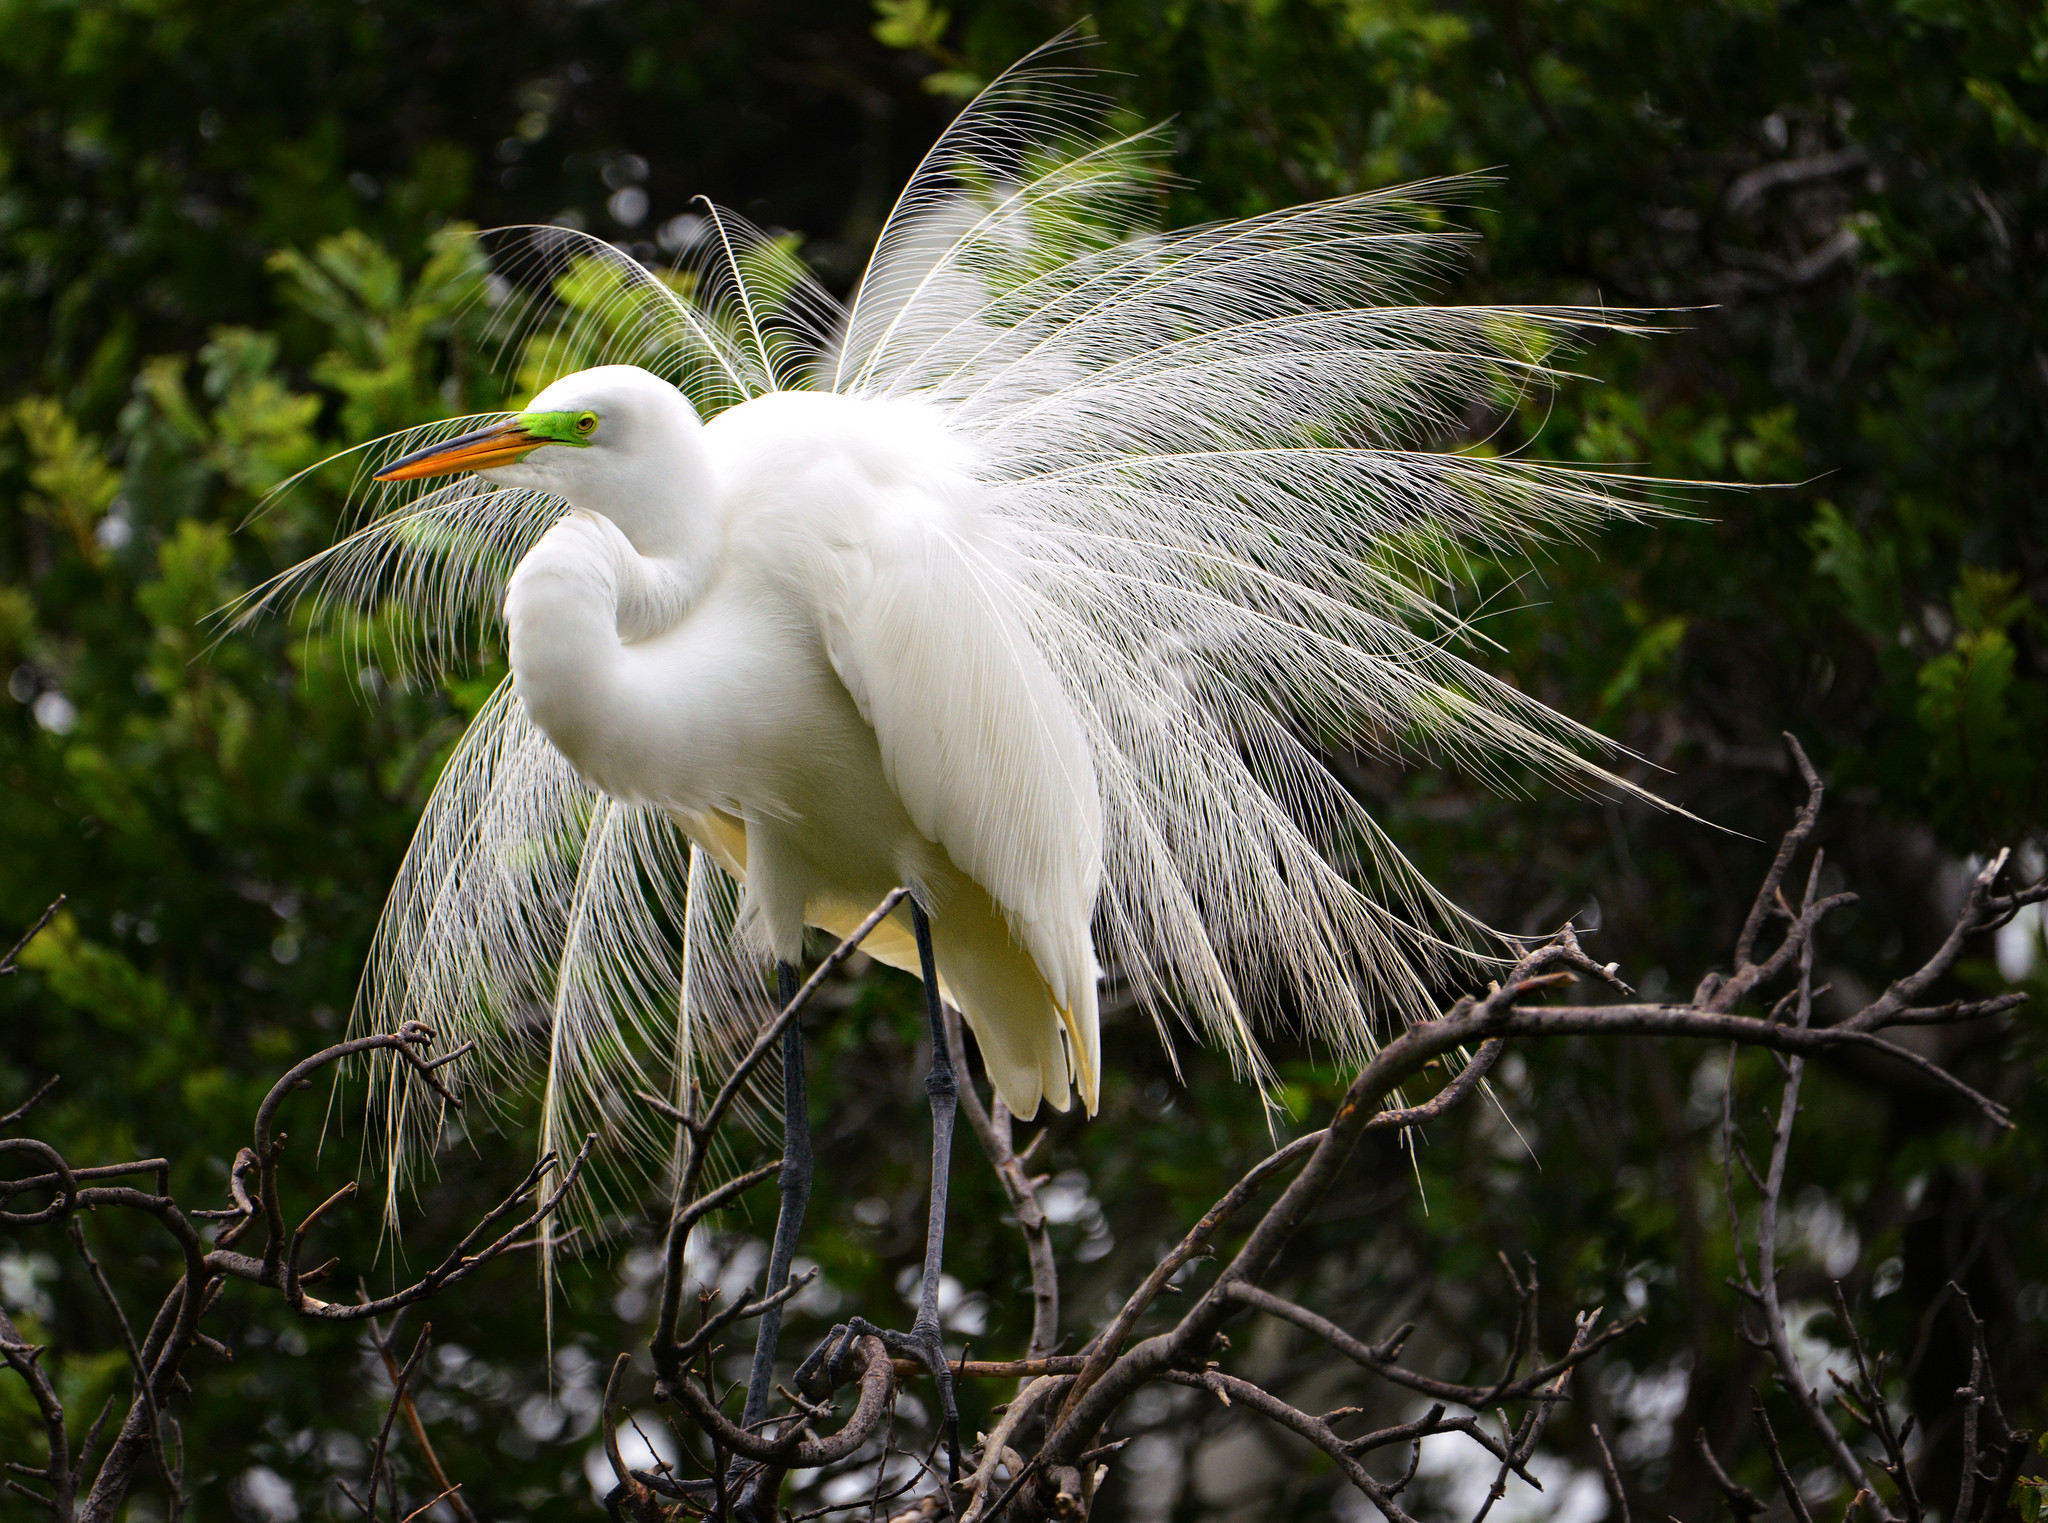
(625, 566)
(661, 493)
(580, 596)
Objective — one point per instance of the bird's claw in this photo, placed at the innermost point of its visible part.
(924, 1344)
(824, 1368)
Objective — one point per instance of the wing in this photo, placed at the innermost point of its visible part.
(1234, 466)
(920, 616)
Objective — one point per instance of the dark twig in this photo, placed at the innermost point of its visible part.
(1236, 1392)
(1109, 1342)
(458, 1266)
(1983, 910)
(25, 1359)
(630, 1498)
(1614, 1486)
(1865, 1400)
(1767, 893)
(451, 1491)
(741, 1311)
(9, 1188)
(1776, 1334)
(1467, 1080)
(144, 1391)
(28, 1105)
(8, 965)
(1003, 1369)
(405, 1044)
(1786, 1484)
(1369, 1356)
(377, 1453)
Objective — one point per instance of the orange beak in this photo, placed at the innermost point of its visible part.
(479, 450)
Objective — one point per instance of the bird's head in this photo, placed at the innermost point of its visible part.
(615, 440)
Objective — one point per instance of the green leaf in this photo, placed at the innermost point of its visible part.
(910, 24)
(1650, 654)
(73, 481)
(1866, 572)
(2007, 119)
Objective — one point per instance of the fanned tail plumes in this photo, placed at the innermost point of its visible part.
(1226, 463)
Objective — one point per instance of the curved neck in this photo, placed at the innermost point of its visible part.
(579, 596)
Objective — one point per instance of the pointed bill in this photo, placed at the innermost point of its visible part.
(478, 450)
(495, 444)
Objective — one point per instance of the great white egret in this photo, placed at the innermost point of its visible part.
(1037, 579)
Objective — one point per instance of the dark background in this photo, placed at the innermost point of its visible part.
(223, 254)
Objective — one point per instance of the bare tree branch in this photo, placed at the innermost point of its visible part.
(8, 965)
(451, 1491)
(1051, 1447)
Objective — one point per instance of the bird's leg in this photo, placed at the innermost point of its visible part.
(942, 1087)
(924, 1341)
(794, 1178)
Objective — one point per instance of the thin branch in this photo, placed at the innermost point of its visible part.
(1762, 907)
(1467, 1080)
(143, 1391)
(29, 1104)
(1243, 1392)
(1108, 1344)
(1614, 1486)
(1775, 1331)
(1691, 1021)
(451, 1491)
(1372, 1357)
(1874, 1411)
(9, 1188)
(398, 1386)
(269, 1143)
(458, 1266)
(173, 1335)
(629, 1495)
(8, 965)
(1786, 1484)
(995, 1449)
(741, 1311)
(1983, 910)
(25, 1359)
(1002, 1369)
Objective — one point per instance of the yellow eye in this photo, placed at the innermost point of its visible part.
(586, 424)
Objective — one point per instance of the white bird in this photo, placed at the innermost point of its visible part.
(1038, 580)
(792, 632)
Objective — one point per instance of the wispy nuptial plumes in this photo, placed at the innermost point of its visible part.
(1232, 474)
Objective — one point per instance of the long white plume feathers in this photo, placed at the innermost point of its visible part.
(1227, 464)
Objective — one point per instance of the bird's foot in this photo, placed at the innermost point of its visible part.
(922, 1343)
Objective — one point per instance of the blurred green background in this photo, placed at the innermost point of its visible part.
(233, 239)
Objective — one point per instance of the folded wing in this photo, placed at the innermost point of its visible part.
(918, 606)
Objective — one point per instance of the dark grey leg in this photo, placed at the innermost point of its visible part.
(795, 1182)
(924, 1342)
(943, 1087)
